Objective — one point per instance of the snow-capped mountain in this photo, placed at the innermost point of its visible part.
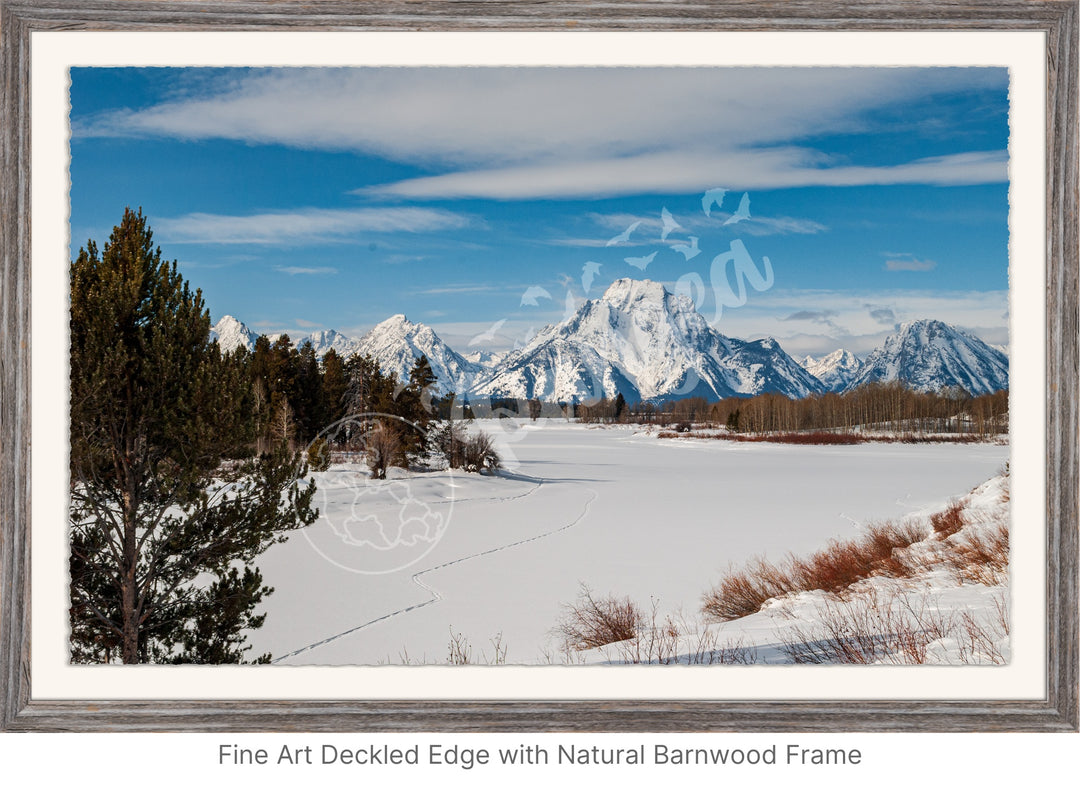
(645, 343)
(485, 358)
(836, 370)
(231, 333)
(396, 343)
(641, 341)
(928, 355)
(324, 341)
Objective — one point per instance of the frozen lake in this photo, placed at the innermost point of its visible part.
(613, 508)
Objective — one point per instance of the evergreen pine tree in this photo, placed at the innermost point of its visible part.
(334, 386)
(160, 495)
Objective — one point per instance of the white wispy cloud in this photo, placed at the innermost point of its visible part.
(296, 270)
(516, 133)
(305, 226)
(648, 231)
(909, 263)
(466, 289)
(686, 172)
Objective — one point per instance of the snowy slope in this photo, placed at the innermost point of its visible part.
(396, 343)
(645, 343)
(928, 355)
(835, 370)
(231, 333)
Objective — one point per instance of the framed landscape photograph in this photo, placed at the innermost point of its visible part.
(670, 374)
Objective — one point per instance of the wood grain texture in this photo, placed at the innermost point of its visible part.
(1058, 712)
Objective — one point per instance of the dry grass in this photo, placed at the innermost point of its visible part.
(874, 628)
(978, 554)
(637, 638)
(948, 522)
(459, 652)
(744, 592)
(878, 552)
(824, 438)
(981, 558)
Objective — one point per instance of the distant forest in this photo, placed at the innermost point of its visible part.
(890, 407)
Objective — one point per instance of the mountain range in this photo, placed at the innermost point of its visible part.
(643, 342)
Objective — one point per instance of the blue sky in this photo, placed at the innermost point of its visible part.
(303, 199)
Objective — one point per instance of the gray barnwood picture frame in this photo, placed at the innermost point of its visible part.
(1056, 18)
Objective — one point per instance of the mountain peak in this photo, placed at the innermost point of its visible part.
(623, 293)
(925, 325)
(227, 321)
(396, 320)
(928, 355)
(396, 343)
(641, 341)
(231, 333)
(836, 370)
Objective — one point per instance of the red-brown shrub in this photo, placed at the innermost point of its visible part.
(833, 569)
(949, 521)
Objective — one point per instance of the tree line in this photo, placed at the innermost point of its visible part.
(883, 407)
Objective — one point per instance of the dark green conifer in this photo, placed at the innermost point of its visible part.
(161, 493)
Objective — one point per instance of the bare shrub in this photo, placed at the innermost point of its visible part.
(458, 650)
(948, 522)
(383, 448)
(655, 641)
(887, 541)
(879, 552)
(480, 455)
(838, 566)
(591, 622)
(658, 640)
(743, 592)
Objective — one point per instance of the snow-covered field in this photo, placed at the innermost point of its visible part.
(496, 558)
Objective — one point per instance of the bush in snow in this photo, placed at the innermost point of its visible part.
(471, 453)
(480, 454)
(591, 622)
(383, 448)
(841, 564)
